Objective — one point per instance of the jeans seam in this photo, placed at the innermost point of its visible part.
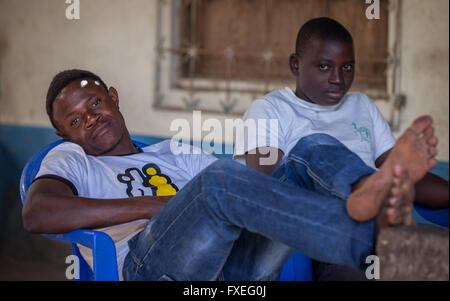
(167, 229)
(137, 261)
(293, 216)
(314, 176)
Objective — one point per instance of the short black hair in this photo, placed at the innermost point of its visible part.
(60, 81)
(321, 28)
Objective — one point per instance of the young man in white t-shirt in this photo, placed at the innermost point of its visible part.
(183, 215)
(324, 66)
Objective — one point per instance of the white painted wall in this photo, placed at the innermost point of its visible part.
(116, 39)
(424, 65)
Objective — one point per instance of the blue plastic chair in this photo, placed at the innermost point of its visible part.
(103, 248)
(438, 217)
(297, 268)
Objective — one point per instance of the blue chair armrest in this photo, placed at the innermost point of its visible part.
(297, 268)
(437, 216)
(103, 250)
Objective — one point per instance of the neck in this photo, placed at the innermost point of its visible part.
(300, 95)
(123, 147)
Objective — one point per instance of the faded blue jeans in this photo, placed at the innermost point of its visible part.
(231, 222)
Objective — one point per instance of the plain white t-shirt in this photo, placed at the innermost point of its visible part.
(355, 121)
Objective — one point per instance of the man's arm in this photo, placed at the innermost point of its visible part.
(431, 191)
(264, 159)
(51, 207)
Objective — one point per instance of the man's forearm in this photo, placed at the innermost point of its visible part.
(51, 213)
(258, 159)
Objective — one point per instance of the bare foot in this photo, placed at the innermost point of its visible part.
(365, 201)
(413, 155)
(388, 189)
(397, 208)
(415, 150)
(400, 200)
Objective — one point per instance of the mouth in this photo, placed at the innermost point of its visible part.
(336, 95)
(100, 129)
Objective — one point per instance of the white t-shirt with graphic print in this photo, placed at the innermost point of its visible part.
(355, 121)
(155, 171)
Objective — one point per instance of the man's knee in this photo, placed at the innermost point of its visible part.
(224, 165)
(221, 173)
(313, 141)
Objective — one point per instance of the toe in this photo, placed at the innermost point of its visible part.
(399, 172)
(432, 141)
(428, 132)
(432, 151)
(432, 163)
(421, 124)
(392, 201)
(393, 216)
(396, 192)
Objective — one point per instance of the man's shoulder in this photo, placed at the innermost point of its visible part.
(357, 101)
(173, 147)
(276, 96)
(157, 147)
(67, 148)
(275, 102)
(66, 153)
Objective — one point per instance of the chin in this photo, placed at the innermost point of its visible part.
(330, 101)
(333, 102)
(105, 145)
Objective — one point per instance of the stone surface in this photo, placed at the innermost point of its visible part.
(419, 252)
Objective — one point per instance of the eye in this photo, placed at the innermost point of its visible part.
(96, 102)
(347, 67)
(75, 121)
(323, 67)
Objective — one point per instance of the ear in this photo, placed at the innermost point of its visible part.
(294, 63)
(112, 92)
(61, 135)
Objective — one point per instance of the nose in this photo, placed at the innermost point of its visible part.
(336, 76)
(91, 119)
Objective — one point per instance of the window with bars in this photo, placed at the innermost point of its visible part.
(239, 49)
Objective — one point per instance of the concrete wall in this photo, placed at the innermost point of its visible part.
(116, 39)
(424, 65)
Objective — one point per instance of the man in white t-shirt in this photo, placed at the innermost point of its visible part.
(355, 121)
(324, 65)
(153, 170)
(176, 213)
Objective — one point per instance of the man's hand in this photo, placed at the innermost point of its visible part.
(264, 159)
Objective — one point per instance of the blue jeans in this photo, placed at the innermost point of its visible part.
(231, 222)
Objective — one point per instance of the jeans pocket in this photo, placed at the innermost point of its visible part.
(165, 278)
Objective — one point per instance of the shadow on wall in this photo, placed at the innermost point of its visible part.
(17, 144)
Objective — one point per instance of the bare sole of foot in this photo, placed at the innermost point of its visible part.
(413, 155)
(415, 150)
(397, 208)
(387, 189)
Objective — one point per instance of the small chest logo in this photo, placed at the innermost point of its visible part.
(362, 132)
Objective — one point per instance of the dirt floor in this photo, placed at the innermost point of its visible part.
(14, 270)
